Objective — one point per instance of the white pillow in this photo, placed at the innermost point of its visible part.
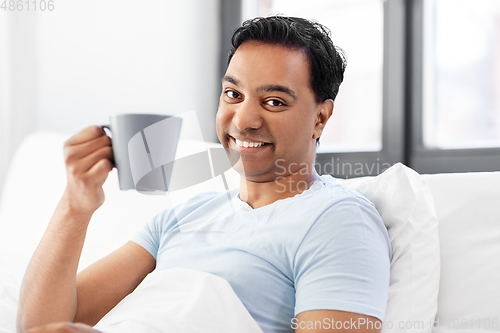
(31, 194)
(9, 294)
(406, 206)
(469, 230)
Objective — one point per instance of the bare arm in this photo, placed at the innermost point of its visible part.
(48, 291)
(102, 285)
(51, 291)
(105, 283)
(315, 321)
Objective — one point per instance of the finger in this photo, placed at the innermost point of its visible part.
(81, 150)
(100, 171)
(87, 134)
(86, 163)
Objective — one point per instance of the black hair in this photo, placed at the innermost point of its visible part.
(327, 62)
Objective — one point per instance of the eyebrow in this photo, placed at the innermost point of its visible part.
(267, 88)
(277, 87)
(230, 79)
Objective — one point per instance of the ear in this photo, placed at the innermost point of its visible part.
(323, 112)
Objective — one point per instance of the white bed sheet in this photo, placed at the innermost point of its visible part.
(9, 295)
(180, 300)
(173, 300)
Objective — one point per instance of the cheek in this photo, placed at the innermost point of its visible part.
(222, 120)
(293, 129)
(298, 143)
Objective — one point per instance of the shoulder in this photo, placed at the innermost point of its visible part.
(344, 210)
(348, 215)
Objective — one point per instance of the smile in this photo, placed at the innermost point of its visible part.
(247, 144)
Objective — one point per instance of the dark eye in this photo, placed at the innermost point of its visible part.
(232, 94)
(274, 102)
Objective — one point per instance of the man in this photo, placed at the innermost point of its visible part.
(309, 251)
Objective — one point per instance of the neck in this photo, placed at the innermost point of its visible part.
(259, 194)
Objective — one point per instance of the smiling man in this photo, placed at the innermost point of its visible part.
(277, 95)
(268, 113)
(301, 252)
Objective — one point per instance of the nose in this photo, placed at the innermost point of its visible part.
(247, 116)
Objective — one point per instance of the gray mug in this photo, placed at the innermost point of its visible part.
(144, 147)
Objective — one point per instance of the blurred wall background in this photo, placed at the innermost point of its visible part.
(74, 66)
(421, 84)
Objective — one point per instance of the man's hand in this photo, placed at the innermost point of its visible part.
(66, 327)
(89, 159)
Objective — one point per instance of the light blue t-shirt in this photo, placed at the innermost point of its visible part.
(326, 248)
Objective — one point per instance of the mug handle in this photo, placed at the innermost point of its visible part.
(108, 128)
(111, 136)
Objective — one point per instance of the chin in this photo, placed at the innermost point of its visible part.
(256, 175)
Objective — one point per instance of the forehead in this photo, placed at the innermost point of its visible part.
(256, 63)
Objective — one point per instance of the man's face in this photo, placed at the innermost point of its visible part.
(267, 101)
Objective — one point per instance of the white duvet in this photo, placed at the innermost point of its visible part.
(172, 300)
(180, 300)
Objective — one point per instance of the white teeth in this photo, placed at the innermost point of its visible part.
(248, 144)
